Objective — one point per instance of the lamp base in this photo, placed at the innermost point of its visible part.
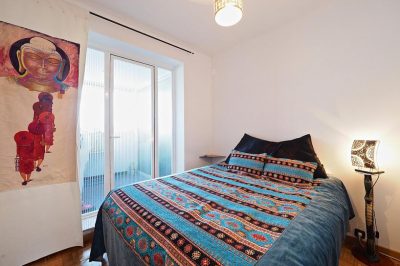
(361, 254)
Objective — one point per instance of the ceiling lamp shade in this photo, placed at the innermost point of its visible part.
(228, 12)
(363, 153)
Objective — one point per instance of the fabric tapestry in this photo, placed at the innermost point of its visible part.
(247, 162)
(290, 171)
(38, 84)
(207, 216)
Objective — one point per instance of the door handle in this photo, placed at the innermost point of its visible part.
(115, 137)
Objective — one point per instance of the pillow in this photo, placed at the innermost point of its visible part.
(297, 149)
(250, 144)
(254, 145)
(247, 162)
(301, 149)
(288, 170)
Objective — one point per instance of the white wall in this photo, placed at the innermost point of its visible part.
(38, 221)
(335, 74)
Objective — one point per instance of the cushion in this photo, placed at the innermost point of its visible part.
(247, 162)
(255, 145)
(289, 171)
(301, 149)
(250, 144)
(297, 149)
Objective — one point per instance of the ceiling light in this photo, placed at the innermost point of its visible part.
(228, 12)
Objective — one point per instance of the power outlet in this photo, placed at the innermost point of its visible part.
(359, 233)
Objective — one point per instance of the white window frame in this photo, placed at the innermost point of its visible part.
(109, 54)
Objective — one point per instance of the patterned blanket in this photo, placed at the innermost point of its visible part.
(207, 216)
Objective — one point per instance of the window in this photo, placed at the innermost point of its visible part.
(126, 126)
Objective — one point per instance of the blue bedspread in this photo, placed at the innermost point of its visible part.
(210, 216)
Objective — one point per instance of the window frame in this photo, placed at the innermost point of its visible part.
(109, 53)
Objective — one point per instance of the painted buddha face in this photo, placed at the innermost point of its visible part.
(41, 64)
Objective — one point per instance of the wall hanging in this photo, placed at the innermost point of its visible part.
(38, 85)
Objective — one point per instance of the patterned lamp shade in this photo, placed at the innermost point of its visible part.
(363, 153)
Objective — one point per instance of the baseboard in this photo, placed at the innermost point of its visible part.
(351, 241)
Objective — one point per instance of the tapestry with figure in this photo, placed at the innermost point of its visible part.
(38, 106)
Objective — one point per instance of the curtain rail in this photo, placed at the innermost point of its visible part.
(141, 32)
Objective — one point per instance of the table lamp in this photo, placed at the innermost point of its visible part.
(363, 154)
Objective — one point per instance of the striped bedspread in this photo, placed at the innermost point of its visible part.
(207, 216)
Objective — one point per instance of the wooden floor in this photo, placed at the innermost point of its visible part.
(80, 256)
(70, 257)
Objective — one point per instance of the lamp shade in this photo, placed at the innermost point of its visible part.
(363, 153)
(228, 12)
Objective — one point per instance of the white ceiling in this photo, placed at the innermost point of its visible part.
(192, 21)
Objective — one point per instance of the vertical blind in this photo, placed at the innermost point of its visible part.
(91, 123)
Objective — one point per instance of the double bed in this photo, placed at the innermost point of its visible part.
(216, 216)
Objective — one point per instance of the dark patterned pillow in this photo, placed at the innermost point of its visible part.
(301, 149)
(247, 162)
(290, 171)
(298, 149)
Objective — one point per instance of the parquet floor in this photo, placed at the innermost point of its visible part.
(79, 256)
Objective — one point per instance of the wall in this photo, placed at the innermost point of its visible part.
(39, 221)
(335, 74)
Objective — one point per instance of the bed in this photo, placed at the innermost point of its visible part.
(215, 216)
